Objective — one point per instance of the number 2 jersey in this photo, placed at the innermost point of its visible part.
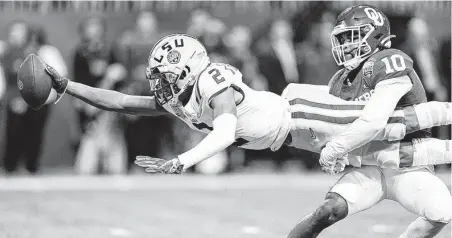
(263, 117)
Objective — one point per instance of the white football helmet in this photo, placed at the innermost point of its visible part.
(174, 64)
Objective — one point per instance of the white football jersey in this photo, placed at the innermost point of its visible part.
(263, 117)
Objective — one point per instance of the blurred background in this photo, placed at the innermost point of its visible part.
(48, 157)
(106, 44)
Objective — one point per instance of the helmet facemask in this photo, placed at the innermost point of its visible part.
(164, 84)
(350, 46)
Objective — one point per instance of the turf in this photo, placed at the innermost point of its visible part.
(228, 206)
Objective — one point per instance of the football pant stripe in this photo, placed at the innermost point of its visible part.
(326, 106)
(325, 112)
(338, 120)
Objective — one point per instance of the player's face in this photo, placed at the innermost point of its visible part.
(162, 84)
(350, 42)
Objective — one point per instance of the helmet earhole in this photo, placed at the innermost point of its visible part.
(378, 36)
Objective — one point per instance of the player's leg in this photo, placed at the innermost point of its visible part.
(428, 151)
(418, 117)
(333, 209)
(422, 228)
(356, 191)
(430, 114)
(414, 118)
(318, 106)
(424, 194)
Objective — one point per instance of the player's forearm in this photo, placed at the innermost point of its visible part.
(104, 99)
(373, 118)
(216, 141)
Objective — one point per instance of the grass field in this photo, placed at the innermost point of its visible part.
(189, 206)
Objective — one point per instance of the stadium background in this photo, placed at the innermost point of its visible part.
(257, 204)
(61, 19)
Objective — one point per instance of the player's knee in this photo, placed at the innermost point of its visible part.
(440, 210)
(333, 209)
(441, 216)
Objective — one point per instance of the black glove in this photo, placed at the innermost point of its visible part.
(59, 83)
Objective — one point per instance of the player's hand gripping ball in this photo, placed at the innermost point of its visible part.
(157, 165)
(34, 84)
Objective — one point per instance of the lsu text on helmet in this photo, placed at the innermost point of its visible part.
(174, 64)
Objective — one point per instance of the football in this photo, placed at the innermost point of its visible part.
(33, 82)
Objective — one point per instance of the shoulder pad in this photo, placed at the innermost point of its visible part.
(216, 78)
(386, 64)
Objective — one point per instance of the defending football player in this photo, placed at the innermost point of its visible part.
(384, 77)
(211, 98)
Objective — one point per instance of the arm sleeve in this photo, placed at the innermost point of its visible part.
(222, 136)
(373, 118)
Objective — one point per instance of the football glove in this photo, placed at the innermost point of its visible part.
(332, 165)
(157, 165)
(339, 167)
(327, 161)
(59, 83)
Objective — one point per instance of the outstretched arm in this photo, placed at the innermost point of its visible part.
(110, 100)
(105, 99)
